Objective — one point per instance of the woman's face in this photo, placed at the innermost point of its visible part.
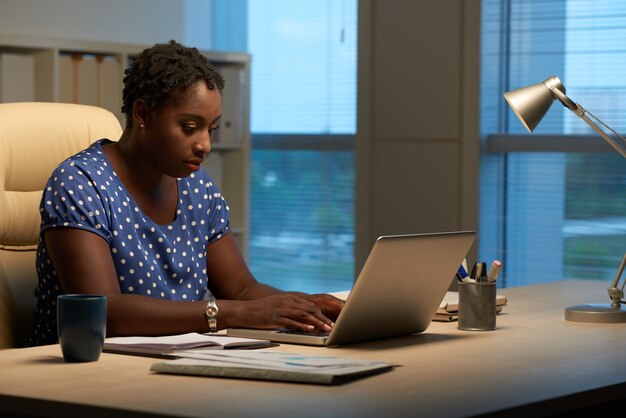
(178, 137)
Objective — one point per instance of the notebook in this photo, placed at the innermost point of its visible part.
(397, 292)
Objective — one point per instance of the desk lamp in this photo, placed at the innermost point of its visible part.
(530, 104)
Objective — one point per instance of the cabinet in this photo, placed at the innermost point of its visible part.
(55, 70)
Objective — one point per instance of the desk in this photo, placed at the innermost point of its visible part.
(534, 364)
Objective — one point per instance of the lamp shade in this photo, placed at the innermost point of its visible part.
(531, 103)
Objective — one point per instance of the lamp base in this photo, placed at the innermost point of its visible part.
(599, 313)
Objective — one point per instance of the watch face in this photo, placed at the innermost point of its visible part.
(211, 310)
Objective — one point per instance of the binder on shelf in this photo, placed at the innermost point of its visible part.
(91, 79)
(17, 77)
(234, 102)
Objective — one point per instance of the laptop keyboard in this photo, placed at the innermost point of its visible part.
(314, 333)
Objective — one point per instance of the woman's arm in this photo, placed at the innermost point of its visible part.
(253, 304)
(83, 263)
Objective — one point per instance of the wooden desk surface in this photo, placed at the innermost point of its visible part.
(534, 364)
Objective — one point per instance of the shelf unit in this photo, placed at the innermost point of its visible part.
(86, 72)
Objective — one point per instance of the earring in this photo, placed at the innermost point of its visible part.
(142, 125)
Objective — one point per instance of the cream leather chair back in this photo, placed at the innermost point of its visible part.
(34, 138)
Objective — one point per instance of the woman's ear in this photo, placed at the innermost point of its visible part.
(140, 113)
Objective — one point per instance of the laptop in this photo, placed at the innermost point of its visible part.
(397, 292)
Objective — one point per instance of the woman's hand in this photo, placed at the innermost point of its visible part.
(328, 304)
(280, 310)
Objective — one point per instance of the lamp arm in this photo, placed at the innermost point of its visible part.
(566, 101)
(582, 113)
(603, 134)
(615, 293)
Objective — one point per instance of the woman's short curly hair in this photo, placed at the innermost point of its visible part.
(165, 71)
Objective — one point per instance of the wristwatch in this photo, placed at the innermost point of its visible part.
(210, 313)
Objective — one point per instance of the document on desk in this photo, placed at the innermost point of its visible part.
(167, 346)
(270, 365)
(448, 310)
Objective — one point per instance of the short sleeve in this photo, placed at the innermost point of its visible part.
(204, 207)
(75, 198)
(219, 212)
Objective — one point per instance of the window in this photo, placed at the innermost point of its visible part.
(553, 202)
(303, 120)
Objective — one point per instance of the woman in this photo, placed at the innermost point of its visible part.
(140, 221)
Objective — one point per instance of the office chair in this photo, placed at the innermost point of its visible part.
(34, 138)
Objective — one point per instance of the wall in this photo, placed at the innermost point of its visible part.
(126, 21)
(417, 129)
(418, 107)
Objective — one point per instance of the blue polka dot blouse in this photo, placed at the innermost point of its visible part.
(161, 261)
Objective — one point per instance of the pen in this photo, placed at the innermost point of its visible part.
(473, 273)
(478, 270)
(483, 272)
(494, 270)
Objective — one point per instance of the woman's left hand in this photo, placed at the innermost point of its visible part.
(328, 304)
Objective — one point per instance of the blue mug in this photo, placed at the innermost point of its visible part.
(81, 326)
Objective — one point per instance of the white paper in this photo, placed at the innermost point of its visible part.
(176, 342)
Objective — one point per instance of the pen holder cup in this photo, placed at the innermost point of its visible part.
(477, 306)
